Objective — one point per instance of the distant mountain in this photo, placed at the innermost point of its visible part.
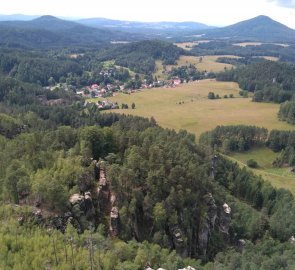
(17, 17)
(149, 29)
(46, 22)
(129, 25)
(49, 31)
(261, 28)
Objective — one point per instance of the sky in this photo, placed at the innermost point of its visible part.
(210, 12)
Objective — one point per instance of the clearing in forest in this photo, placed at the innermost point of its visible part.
(188, 107)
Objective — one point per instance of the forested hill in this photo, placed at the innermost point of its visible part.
(151, 30)
(140, 56)
(261, 28)
(270, 81)
(50, 32)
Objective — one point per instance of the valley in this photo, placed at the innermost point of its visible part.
(188, 107)
(129, 145)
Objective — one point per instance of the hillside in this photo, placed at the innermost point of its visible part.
(140, 56)
(149, 29)
(261, 28)
(51, 32)
(140, 189)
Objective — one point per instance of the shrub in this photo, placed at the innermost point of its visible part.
(252, 163)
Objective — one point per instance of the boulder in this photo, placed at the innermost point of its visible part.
(76, 198)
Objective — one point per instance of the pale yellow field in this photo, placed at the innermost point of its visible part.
(188, 45)
(244, 44)
(270, 58)
(197, 113)
(208, 63)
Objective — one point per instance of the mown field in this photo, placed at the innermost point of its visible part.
(189, 45)
(206, 63)
(279, 177)
(187, 107)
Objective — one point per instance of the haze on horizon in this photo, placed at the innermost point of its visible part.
(210, 12)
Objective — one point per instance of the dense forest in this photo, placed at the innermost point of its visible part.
(270, 81)
(235, 138)
(140, 56)
(220, 47)
(89, 176)
(82, 189)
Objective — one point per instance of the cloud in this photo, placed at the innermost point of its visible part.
(284, 3)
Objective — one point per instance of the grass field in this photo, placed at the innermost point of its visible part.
(197, 113)
(208, 63)
(188, 45)
(278, 177)
(270, 58)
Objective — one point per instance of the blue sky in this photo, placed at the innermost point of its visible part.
(211, 12)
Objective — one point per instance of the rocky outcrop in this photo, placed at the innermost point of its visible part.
(213, 166)
(241, 243)
(114, 221)
(207, 225)
(82, 209)
(178, 241)
(225, 219)
(88, 208)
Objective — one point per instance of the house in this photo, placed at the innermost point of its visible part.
(176, 82)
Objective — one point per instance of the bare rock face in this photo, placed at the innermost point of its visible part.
(178, 242)
(241, 244)
(207, 225)
(82, 209)
(203, 237)
(213, 166)
(225, 219)
(76, 198)
(38, 217)
(114, 222)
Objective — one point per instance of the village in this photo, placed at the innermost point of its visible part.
(102, 91)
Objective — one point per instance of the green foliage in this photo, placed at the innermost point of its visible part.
(274, 203)
(269, 254)
(235, 138)
(211, 95)
(9, 126)
(270, 81)
(252, 163)
(186, 73)
(140, 56)
(287, 112)
(31, 247)
(250, 54)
